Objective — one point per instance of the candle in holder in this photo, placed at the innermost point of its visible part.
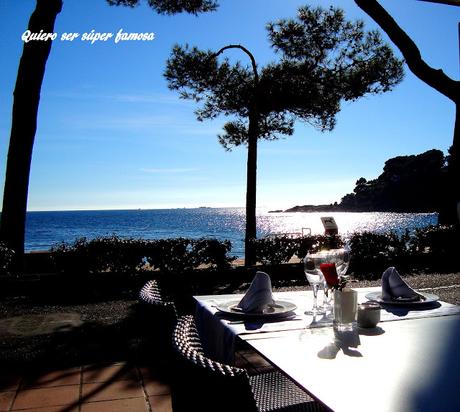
(368, 314)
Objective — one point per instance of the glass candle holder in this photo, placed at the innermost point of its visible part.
(368, 314)
(345, 308)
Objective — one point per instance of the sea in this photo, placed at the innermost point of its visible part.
(47, 229)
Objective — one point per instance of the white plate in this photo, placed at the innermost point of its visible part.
(280, 308)
(429, 298)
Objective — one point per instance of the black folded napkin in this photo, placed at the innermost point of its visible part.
(395, 289)
(259, 295)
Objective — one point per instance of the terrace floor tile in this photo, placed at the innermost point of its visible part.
(52, 378)
(111, 391)
(161, 403)
(52, 409)
(6, 398)
(46, 397)
(119, 405)
(111, 372)
(156, 387)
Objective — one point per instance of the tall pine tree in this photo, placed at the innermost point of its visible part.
(323, 60)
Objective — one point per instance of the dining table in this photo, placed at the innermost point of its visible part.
(409, 362)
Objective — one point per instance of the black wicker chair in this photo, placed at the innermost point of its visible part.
(154, 300)
(157, 317)
(202, 384)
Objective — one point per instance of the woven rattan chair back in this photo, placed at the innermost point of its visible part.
(152, 296)
(157, 318)
(202, 384)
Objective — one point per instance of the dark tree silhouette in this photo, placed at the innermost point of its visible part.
(24, 125)
(439, 81)
(325, 60)
(25, 110)
(253, 132)
(171, 6)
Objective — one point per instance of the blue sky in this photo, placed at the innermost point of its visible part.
(112, 136)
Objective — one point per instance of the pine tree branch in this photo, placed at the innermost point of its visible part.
(251, 56)
(435, 78)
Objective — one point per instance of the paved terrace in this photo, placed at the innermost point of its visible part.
(89, 357)
(109, 387)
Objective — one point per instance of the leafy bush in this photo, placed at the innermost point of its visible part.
(305, 244)
(274, 250)
(6, 258)
(372, 253)
(213, 253)
(436, 248)
(181, 254)
(433, 249)
(280, 249)
(170, 255)
(103, 254)
(328, 242)
(430, 249)
(115, 254)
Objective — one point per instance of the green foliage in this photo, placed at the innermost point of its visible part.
(306, 244)
(436, 248)
(341, 59)
(103, 254)
(275, 250)
(324, 59)
(169, 255)
(114, 254)
(328, 242)
(429, 249)
(171, 6)
(181, 254)
(6, 258)
(372, 253)
(213, 253)
(197, 75)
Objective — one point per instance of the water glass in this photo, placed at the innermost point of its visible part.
(316, 280)
(345, 308)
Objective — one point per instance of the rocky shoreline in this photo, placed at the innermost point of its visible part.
(314, 208)
(408, 184)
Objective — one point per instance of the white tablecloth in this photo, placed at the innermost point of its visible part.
(218, 332)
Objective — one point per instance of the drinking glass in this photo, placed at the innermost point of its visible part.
(339, 257)
(345, 309)
(315, 279)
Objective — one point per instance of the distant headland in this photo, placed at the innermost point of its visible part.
(412, 184)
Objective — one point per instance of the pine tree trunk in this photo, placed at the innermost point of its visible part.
(24, 124)
(449, 210)
(455, 162)
(251, 187)
(251, 168)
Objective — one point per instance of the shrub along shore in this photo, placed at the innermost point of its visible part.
(113, 264)
(429, 249)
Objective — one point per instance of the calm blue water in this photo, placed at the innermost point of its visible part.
(45, 229)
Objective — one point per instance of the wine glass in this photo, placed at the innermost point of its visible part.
(341, 260)
(315, 279)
